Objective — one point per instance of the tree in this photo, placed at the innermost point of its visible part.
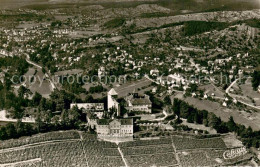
(213, 120)
(28, 130)
(256, 79)
(43, 104)
(197, 118)
(21, 91)
(3, 133)
(176, 107)
(65, 118)
(20, 128)
(193, 87)
(190, 119)
(62, 99)
(38, 121)
(11, 130)
(36, 99)
(167, 100)
(231, 124)
(89, 99)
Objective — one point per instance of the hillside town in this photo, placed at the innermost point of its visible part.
(130, 83)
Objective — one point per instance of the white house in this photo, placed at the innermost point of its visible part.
(115, 128)
(95, 108)
(154, 72)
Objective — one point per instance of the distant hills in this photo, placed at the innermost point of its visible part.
(194, 5)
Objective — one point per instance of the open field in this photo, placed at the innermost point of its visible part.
(130, 87)
(198, 127)
(39, 83)
(209, 89)
(248, 92)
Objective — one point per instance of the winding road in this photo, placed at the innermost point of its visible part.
(233, 96)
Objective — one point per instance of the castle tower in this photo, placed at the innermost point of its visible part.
(112, 101)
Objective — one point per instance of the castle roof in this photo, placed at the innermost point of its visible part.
(112, 92)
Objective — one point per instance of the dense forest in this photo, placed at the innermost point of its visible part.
(15, 65)
(198, 27)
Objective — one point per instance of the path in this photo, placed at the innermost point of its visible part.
(176, 154)
(81, 139)
(21, 163)
(35, 145)
(122, 155)
(161, 119)
(147, 77)
(230, 86)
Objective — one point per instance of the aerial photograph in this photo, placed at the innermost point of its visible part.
(129, 83)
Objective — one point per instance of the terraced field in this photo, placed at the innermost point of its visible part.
(73, 148)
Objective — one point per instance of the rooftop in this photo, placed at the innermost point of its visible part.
(112, 92)
(137, 99)
(108, 121)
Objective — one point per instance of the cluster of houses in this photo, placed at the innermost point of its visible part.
(115, 127)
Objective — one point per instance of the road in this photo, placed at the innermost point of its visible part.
(234, 96)
(230, 86)
(161, 119)
(147, 77)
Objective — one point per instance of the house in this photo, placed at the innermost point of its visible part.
(101, 72)
(94, 108)
(115, 127)
(154, 72)
(154, 90)
(136, 102)
(173, 79)
(2, 76)
(224, 104)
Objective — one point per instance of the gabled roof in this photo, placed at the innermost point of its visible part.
(112, 92)
(141, 101)
(136, 99)
(103, 121)
(128, 121)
